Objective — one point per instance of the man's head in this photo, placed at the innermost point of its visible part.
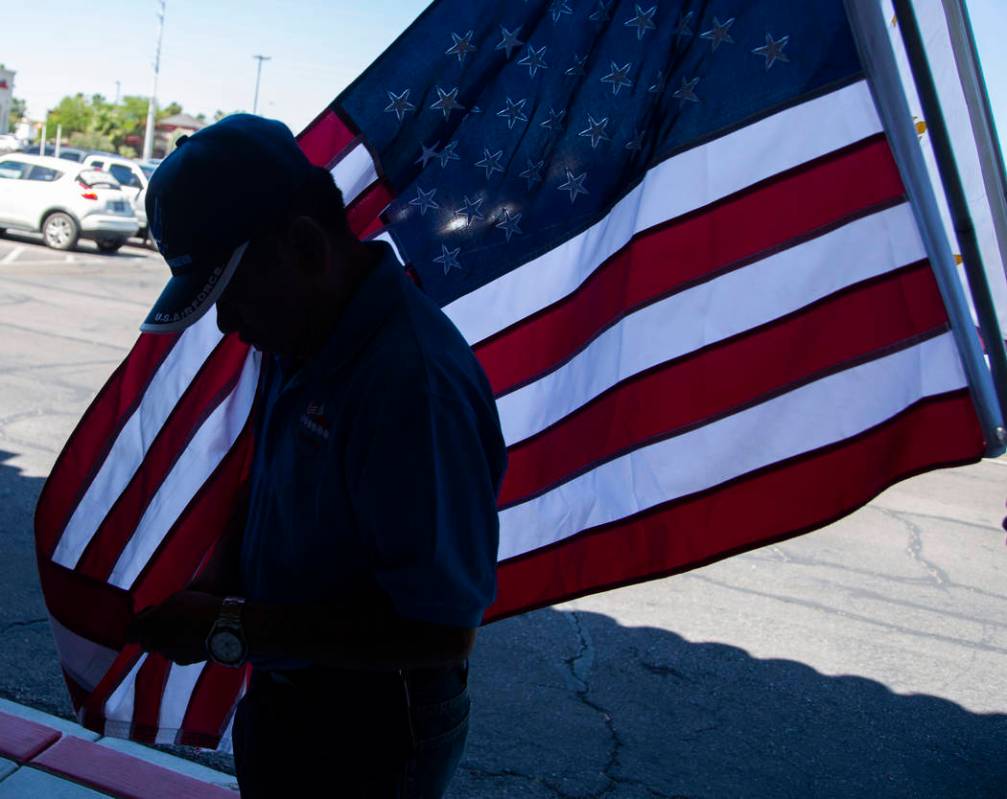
(244, 220)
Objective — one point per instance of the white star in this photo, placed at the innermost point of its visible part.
(533, 174)
(471, 210)
(427, 154)
(636, 143)
(448, 154)
(491, 163)
(617, 77)
(462, 46)
(514, 112)
(718, 34)
(509, 225)
(603, 13)
(399, 104)
(658, 86)
(509, 41)
(578, 66)
(682, 28)
(687, 93)
(424, 200)
(595, 130)
(559, 8)
(555, 120)
(574, 185)
(643, 21)
(534, 60)
(449, 259)
(772, 50)
(447, 102)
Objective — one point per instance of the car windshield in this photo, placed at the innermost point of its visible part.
(148, 169)
(95, 178)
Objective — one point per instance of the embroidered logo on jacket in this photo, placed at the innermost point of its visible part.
(313, 421)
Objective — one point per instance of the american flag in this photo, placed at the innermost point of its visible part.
(677, 240)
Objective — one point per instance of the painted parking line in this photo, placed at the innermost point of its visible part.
(12, 256)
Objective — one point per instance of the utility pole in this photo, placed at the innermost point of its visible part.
(258, 74)
(148, 136)
(118, 91)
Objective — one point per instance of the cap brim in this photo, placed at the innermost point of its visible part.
(187, 297)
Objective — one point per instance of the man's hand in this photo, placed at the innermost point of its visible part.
(178, 627)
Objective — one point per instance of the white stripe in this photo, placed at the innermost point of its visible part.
(387, 237)
(194, 466)
(84, 660)
(715, 310)
(119, 706)
(175, 700)
(354, 173)
(12, 256)
(676, 186)
(821, 413)
(130, 448)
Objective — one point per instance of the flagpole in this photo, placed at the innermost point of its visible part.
(991, 162)
(961, 217)
(878, 57)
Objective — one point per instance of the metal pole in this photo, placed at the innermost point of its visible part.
(148, 135)
(870, 29)
(41, 144)
(957, 204)
(991, 162)
(118, 91)
(59, 140)
(258, 74)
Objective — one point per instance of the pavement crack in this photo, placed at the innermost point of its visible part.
(27, 623)
(915, 548)
(580, 666)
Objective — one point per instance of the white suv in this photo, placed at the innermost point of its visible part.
(64, 201)
(131, 177)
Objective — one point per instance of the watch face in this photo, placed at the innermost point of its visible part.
(226, 647)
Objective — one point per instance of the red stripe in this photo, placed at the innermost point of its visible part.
(728, 375)
(325, 138)
(150, 682)
(670, 257)
(213, 698)
(779, 502)
(93, 716)
(91, 608)
(365, 210)
(211, 385)
(206, 519)
(90, 441)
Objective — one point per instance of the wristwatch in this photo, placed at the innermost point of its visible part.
(226, 642)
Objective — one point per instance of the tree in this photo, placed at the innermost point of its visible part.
(18, 109)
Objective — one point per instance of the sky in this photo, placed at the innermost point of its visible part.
(316, 47)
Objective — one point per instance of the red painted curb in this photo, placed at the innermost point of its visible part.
(120, 775)
(21, 740)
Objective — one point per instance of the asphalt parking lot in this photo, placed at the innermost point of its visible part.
(866, 659)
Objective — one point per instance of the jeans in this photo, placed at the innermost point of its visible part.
(342, 733)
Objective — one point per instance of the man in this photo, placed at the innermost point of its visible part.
(368, 554)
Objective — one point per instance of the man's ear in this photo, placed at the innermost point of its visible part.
(309, 244)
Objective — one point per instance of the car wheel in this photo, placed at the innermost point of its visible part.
(109, 245)
(60, 231)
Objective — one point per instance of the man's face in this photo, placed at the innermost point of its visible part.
(265, 301)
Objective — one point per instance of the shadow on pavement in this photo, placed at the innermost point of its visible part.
(572, 704)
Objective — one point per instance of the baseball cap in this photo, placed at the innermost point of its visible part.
(206, 200)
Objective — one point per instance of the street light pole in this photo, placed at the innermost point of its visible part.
(258, 74)
(148, 136)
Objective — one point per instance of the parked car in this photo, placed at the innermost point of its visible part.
(9, 143)
(131, 177)
(64, 201)
(67, 153)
